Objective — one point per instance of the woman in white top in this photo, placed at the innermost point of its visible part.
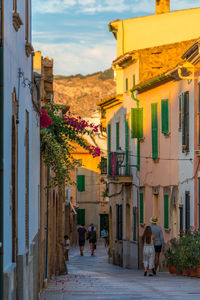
(148, 251)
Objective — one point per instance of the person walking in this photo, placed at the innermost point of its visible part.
(148, 250)
(81, 237)
(159, 243)
(92, 236)
(66, 247)
(104, 235)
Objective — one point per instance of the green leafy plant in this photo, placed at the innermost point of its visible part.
(58, 133)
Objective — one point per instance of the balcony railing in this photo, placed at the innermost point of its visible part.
(114, 168)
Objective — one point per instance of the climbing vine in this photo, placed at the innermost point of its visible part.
(58, 133)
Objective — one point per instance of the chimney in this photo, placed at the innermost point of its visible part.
(162, 6)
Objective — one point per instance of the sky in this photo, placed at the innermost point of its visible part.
(75, 32)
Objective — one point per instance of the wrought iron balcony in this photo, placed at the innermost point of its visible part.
(117, 166)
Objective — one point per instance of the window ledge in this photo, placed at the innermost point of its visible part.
(28, 49)
(17, 21)
(142, 139)
(156, 160)
(142, 224)
(167, 134)
(168, 230)
(197, 152)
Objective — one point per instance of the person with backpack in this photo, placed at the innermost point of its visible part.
(81, 237)
(148, 240)
(92, 236)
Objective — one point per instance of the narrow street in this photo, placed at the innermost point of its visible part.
(93, 278)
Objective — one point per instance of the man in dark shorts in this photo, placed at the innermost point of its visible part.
(81, 238)
(159, 243)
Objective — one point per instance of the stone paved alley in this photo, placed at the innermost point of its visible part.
(92, 278)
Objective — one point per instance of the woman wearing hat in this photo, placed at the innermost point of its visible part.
(159, 240)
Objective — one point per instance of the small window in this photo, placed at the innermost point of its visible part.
(165, 116)
(141, 208)
(154, 127)
(180, 112)
(117, 136)
(134, 223)
(119, 224)
(185, 122)
(126, 84)
(133, 80)
(81, 183)
(166, 211)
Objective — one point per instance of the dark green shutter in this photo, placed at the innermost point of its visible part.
(137, 123)
(117, 135)
(108, 147)
(133, 81)
(81, 183)
(126, 84)
(166, 211)
(80, 216)
(127, 146)
(185, 121)
(179, 113)
(165, 115)
(141, 208)
(154, 126)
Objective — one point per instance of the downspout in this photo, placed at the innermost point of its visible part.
(1, 146)
(138, 168)
(47, 226)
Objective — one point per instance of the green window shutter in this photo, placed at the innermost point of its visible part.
(166, 211)
(137, 123)
(117, 135)
(141, 208)
(127, 147)
(165, 115)
(154, 127)
(133, 81)
(81, 183)
(126, 84)
(80, 216)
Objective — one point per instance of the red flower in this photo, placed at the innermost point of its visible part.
(45, 120)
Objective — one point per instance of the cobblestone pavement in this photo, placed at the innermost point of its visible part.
(92, 278)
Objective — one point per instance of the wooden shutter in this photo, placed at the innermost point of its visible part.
(154, 126)
(126, 84)
(199, 203)
(141, 208)
(166, 211)
(80, 216)
(180, 112)
(187, 210)
(120, 222)
(117, 222)
(165, 115)
(181, 219)
(127, 147)
(81, 183)
(133, 81)
(117, 135)
(185, 121)
(108, 148)
(136, 122)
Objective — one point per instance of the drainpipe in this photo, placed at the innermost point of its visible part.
(138, 168)
(47, 225)
(1, 146)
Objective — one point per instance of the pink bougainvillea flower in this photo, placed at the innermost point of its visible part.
(45, 120)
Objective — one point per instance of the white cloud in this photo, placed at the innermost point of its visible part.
(95, 6)
(74, 58)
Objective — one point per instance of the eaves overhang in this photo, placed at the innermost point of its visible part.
(192, 54)
(124, 60)
(111, 102)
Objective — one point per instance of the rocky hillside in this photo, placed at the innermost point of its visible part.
(82, 93)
